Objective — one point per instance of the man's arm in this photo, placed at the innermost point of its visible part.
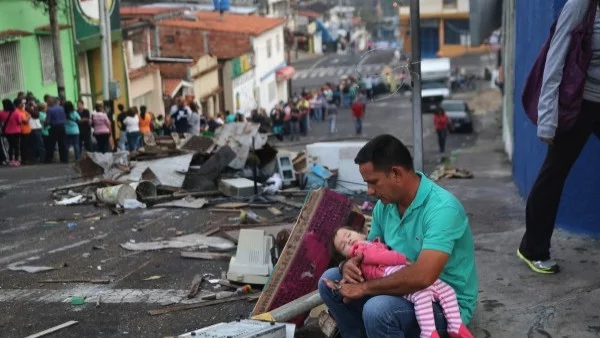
(443, 227)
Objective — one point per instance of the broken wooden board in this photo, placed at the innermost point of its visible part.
(191, 240)
(232, 205)
(186, 202)
(53, 329)
(183, 307)
(306, 255)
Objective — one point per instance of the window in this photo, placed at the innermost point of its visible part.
(269, 52)
(143, 100)
(450, 3)
(278, 44)
(272, 91)
(11, 75)
(47, 57)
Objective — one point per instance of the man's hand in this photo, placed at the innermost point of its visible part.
(349, 292)
(351, 271)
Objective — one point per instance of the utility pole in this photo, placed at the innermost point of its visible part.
(106, 55)
(58, 65)
(415, 26)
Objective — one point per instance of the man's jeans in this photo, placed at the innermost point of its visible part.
(318, 114)
(375, 317)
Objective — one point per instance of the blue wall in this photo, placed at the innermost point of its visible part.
(580, 204)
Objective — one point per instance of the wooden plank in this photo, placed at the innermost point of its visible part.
(232, 205)
(233, 211)
(206, 255)
(53, 329)
(283, 200)
(184, 307)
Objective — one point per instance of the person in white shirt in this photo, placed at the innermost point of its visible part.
(132, 126)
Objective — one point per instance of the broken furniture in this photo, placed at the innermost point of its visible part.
(252, 262)
(306, 255)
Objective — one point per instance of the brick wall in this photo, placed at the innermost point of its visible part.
(187, 42)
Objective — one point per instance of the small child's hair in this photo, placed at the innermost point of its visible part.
(337, 257)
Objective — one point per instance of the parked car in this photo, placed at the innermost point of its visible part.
(460, 115)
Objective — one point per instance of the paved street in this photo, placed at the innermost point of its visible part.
(32, 232)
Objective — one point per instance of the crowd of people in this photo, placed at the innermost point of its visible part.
(33, 131)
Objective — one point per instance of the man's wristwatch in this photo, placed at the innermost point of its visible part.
(341, 267)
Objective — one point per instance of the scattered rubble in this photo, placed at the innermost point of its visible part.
(235, 172)
(444, 171)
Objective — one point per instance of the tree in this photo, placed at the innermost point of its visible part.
(52, 7)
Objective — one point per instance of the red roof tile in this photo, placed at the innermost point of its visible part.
(146, 11)
(169, 85)
(147, 69)
(233, 23)
(308, 13)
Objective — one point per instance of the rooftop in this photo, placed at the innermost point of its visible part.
(233, 23)
(147, 11)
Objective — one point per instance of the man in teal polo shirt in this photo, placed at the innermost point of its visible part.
(418, 218)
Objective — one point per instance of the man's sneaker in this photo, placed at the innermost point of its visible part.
(547, 267)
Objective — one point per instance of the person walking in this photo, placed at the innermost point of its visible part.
(11, 129)
(358, 112)
(132, 125)
(102, 127)
(85, 129)
(56, 119)
(72, 129)
(442, 125)
(563, 148)
(295, 123)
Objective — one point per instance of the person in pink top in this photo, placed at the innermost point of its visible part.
(11, 129)
(102, 129)
(379, 261)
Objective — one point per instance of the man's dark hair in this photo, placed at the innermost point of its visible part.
(385, 152)
(121, 107)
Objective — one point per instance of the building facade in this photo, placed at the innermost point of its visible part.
(531, 23)
(88, 41)
(26, 54)
(205, 78)
(445, 28)
(259, 36)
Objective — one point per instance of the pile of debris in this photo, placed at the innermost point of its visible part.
(237, 172)
(447, 171)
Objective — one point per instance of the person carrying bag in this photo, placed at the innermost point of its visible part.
(562, 97)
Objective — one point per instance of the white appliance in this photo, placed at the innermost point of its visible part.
(338, 156)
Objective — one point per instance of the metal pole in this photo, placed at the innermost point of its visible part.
(415, 25)
(103, 51)
(108, 30)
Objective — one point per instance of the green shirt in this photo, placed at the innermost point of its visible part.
(71, 126)
(435, 220)
(45, 128)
